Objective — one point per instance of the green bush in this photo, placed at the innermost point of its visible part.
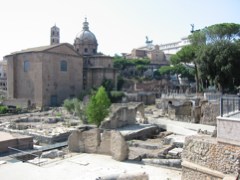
(3, 109)
(68, 104)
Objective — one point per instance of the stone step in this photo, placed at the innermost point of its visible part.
(176, 140)
(138, 153)
(175, 151)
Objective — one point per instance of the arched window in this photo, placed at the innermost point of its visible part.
(26, 66)
(63, 66)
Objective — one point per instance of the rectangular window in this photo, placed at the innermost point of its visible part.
(26, 66)
(63, 66)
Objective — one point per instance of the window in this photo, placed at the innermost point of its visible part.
(26, 66)
(85, 50)
(54, 101)
(94, 51)
(63, 66)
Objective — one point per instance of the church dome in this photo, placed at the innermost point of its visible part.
(86, 36)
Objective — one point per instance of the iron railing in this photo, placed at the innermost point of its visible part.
(230, 107)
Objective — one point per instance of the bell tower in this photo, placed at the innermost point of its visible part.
(55, 35)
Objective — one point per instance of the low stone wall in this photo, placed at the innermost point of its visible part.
(147, 98)
(181, 112)
(204, 156)
(93, 141)
(18, 142)
(23, 103)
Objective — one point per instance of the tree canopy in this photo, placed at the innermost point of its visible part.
(215, 53)
(121, 63)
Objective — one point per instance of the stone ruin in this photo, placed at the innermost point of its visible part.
(194, 110)
(148, 98)
(46, 127)
(123, 114)
(87, 140)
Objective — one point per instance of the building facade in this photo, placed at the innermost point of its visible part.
(3, 75)
(96, 67)
(174, 47)
(47, 75)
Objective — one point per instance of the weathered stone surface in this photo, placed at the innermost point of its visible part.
(209, 112)
(119, 147)
(177, 140)
(52, 154)
(92, 141)
(176, 151)
(105, 144)
(188, 174)
(84, 141)
(164, 162)
(73, 141)
(142, 131)
(123, 114)
(208, 152)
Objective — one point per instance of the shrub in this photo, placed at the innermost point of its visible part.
(68, 104)
(3, 109)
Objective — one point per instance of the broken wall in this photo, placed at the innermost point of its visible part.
(122, 114)
(93, 141)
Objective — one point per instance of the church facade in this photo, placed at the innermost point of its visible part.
(47, 75)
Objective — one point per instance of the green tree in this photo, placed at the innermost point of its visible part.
(98, 107)
(188, 55)
(220, 61)
(178, 69)
(218, 54)
(214, 55)
(122, 63)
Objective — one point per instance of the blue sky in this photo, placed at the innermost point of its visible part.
(119, 25)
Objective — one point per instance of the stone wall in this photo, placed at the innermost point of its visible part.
(146, 97)
(93, 141)
(190, 110)
(181, 112)
(123, 114)
(209, 112)
(209, 158)
(15, 141)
